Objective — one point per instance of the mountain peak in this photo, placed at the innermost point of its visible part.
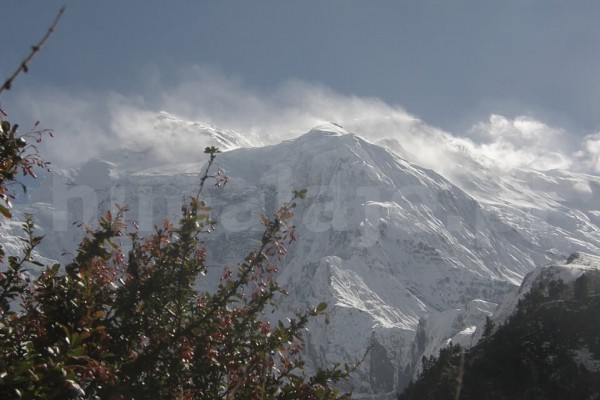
(329, 129)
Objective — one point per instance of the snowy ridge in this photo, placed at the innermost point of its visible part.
(222, 138)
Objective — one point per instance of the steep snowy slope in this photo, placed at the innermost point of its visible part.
(550, 208)
(391, 247)
(382, 240)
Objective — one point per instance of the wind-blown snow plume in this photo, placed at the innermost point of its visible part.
(204, 98)
(589, 155)
(522, 142)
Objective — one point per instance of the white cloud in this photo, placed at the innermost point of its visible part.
(522, 142)
(589, 155)
(91, 124)
(79, 121)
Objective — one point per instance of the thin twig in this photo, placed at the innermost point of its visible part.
(213, 154)
(23, 68)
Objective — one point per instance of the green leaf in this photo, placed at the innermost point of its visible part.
(321, 307)
(5, 126)
(300, 193)
(77, 352)
(23, 366)
(5, 211)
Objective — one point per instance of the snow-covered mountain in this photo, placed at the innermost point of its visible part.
(405, 259)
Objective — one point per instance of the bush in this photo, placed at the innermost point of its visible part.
(111, 325)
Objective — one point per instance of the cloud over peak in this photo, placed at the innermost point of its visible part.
(91, 125)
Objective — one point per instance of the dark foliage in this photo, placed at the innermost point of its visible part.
(535, 355)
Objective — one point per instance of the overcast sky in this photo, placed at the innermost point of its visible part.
(451, 63)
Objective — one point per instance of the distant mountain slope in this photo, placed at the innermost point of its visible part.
(547, 346)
